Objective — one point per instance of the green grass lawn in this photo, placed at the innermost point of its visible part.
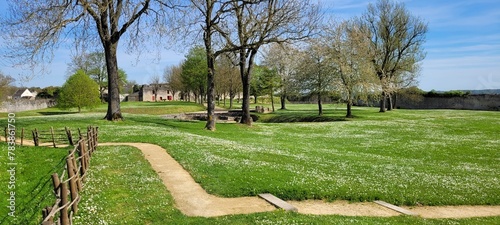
(151, 108)
(405, 157)
(34, 189)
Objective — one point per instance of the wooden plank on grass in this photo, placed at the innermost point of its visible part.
(396, 208)
(278, 202)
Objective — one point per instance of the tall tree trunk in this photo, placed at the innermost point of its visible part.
(389, 103)
(320, 105)
(395, 100)
(272, 99)
(283, 101)
(349, 109)
(231, 99)
(383, 102)
(101, 94)
(210, 91)
(245, 73)
(245, 107)
(113, 112)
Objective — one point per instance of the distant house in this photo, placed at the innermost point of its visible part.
(147, 94)
(24, 94)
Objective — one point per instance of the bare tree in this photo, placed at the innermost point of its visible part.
(5, 82)
(316, 74)
(244, 26)
(349, 50)
(35, 28)
(173, 76)
(283, 58)
(213, 11)
(155, 85)
(397, 37)
(94, 65)
(262, 22)
(227, 79)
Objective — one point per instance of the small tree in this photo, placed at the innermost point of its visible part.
(316, 73)
(283, 59)
(5, 81)
(348, 49)
(397, 38)
(79, 91)
(194, 70)
(227, 79)
(173, 76)
(49, 92)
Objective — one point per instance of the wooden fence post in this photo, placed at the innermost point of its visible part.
(36, 138)
(75, 171)
(96, 136)
(64, 216)
(72, 183)
(83, 159)
(53, 138)
(70, 137)
(22, 136)
(45, 213)
(89, 142)
(56, 182)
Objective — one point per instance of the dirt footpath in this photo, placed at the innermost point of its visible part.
(192, 200)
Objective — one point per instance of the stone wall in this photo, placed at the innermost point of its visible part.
(471, 102)
(25, 105)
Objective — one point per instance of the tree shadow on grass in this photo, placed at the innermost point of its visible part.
(30, 205)
(56, 113)
(303, 118)
(172, 123)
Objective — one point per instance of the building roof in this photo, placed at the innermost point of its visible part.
(23, 93)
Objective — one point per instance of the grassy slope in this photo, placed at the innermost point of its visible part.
(397, 156)
(34, 189)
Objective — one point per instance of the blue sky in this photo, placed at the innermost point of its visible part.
(463, 46)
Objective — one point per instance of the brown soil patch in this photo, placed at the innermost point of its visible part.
(460, 211)
(318, 207)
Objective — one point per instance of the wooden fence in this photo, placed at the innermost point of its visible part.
(67, 189)
(52, 137)
(6, 135)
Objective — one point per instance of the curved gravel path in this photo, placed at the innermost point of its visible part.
(192, 200)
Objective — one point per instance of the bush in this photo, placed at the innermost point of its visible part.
(447, 94)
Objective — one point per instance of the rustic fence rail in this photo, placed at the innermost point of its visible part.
(7, 134)
(53, 137)
(70, 183)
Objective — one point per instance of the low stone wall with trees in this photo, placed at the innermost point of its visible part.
(24, 105)
(471, 102)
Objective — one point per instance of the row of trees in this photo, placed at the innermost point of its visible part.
(378, 52)
(190, 76)
(239, 28)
